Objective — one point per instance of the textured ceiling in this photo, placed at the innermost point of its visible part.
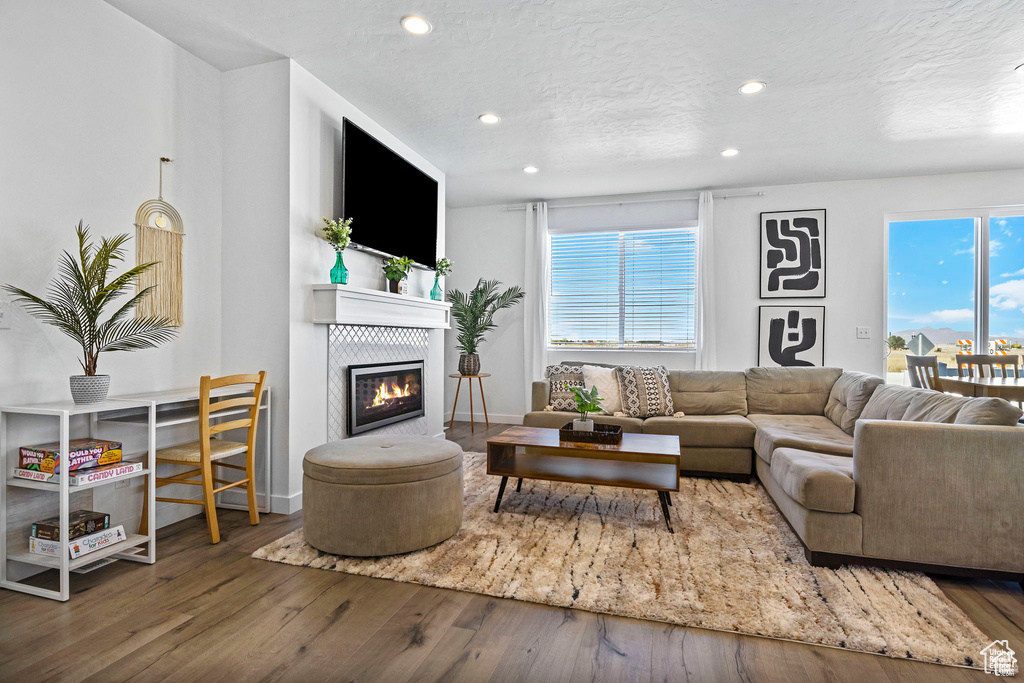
(616, 96)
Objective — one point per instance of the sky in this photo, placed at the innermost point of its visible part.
(931, 275)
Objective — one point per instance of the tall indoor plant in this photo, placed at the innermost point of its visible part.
(474, 316)
(338, 233)
(84, 288)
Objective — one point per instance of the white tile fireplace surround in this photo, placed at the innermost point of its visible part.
(366, 326)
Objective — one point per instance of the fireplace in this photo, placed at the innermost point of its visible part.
(383, 393)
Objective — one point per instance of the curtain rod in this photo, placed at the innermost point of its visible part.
(648, 200)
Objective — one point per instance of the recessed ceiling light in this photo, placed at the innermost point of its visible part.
(530, 169)
(730, 152)
(751, 87)
(417, 25)
(489, 118)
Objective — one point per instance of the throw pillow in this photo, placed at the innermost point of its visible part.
(644, 392)
(607, 387)
(988, 411)
(562, 379)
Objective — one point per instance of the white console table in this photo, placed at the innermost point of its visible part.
(148, 411)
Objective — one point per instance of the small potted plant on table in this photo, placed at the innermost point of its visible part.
(78, 297)
(586, 402)
(396, 269)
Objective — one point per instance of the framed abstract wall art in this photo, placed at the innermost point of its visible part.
(793, 254)
(791, 336)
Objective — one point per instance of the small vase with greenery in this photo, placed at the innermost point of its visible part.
(83, 290)
(474, 317)
(338, 233)
(443, 267)
(586, 402)
(396, 269)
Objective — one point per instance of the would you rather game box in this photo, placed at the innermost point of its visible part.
(83, 453)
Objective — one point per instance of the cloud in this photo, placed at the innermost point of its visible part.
(945, 282)
(970, 251)
(1019, 272)
(951, 315)
(941, 262)
(1008, 295)
(993, 247)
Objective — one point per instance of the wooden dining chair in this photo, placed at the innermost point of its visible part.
(924, 372)
(983, 365)
(208, 452)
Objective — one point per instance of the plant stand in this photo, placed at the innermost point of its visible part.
(472, 420)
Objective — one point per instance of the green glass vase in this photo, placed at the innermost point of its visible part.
(436, 293)
(339, 273)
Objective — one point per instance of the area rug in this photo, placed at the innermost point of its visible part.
(732, 565)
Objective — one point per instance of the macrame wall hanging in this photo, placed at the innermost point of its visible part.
(159, 239)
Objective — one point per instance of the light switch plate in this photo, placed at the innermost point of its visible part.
(5, 313)
(863, 333)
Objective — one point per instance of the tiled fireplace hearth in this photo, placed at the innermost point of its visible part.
(361, 345)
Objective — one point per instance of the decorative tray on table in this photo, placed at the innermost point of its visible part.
(603, 434)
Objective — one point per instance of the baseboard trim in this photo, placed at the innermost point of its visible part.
(833, 560)
(494, 418)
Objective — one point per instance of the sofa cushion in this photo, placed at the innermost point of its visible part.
(563, 379)
(720, 431)
(816, 481)
(644, 391)
(607, 387)
(556, 419)
(988, 411)
(708, 392)
(848, 397)
(789, 391)
(933, 406)
(889, 402)
(808, 432)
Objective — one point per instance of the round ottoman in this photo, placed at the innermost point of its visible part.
(381, 495)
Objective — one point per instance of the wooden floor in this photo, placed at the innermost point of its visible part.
(212, 613)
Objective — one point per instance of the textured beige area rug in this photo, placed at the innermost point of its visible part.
(732, 565)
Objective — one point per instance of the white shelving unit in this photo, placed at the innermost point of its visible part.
(14, 545)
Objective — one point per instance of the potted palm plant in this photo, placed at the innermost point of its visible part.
(83, 290)
(474, 317)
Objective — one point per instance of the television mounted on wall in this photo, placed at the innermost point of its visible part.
(392, 203)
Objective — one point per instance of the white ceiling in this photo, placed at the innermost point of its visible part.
(617, 96)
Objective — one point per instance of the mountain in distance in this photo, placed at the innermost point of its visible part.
(947, 335)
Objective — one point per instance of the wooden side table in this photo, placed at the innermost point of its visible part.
(479, 379)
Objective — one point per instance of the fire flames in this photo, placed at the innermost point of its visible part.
(387, 394)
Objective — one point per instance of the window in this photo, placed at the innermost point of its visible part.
(956, 284)
(623, 289)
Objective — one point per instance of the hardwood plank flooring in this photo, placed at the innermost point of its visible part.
(210, 612)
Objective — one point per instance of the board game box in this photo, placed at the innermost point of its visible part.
(84, 453)
(79, 546)
(80, 523)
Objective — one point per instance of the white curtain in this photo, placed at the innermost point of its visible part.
(706, 356)
(538, 267)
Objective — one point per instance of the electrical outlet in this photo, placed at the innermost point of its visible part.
(5, 313)
(863, 333)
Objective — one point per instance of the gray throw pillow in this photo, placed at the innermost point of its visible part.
(562, 379)
(988, 411)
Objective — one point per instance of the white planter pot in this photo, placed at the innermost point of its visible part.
(86, 389)
(583, 425)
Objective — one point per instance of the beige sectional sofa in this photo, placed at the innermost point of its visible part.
(863, 472)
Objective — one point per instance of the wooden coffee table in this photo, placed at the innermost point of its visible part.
(640, 461)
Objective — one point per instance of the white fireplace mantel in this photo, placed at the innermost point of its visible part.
(345, 305)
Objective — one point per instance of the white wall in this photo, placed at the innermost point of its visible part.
(489, 242)
(91, 100)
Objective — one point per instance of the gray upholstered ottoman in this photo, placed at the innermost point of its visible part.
(381, 495)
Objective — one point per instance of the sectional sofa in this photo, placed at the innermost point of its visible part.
(863, 472)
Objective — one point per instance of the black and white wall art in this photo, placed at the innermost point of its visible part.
(793, 254)
(791, 336)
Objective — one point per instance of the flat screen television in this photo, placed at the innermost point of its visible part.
(392, 204)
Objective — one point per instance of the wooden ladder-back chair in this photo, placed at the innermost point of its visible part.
(924, 372)
(208, 452)
(984, 365)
